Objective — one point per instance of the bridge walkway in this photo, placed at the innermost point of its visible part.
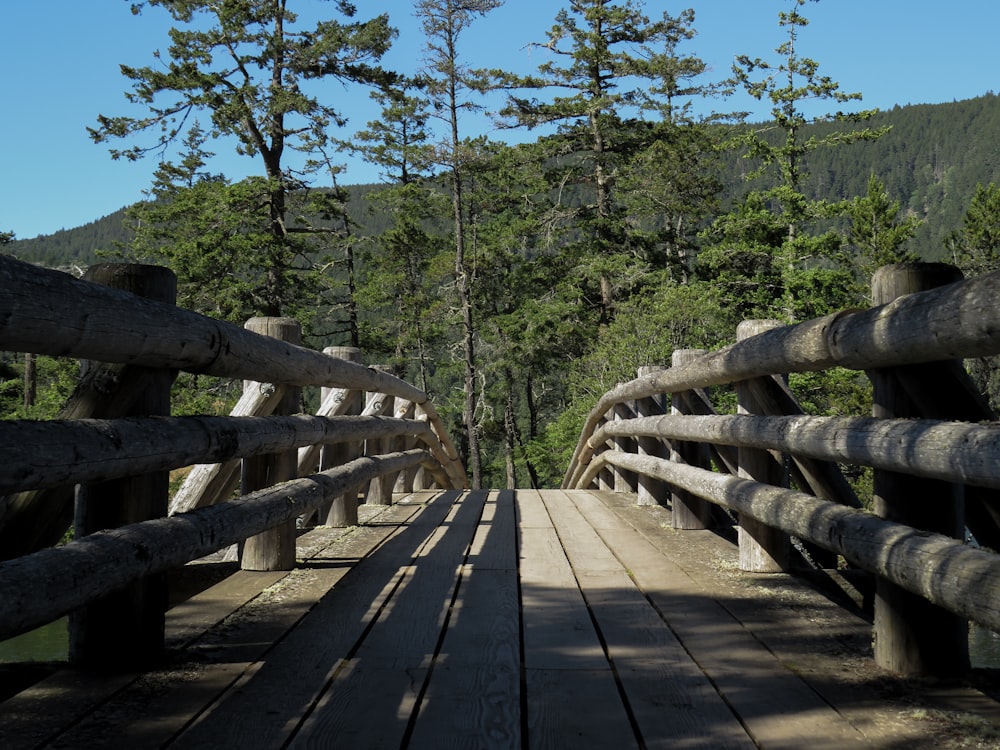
(503, 619)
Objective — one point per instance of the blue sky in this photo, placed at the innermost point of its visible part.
(60, 63)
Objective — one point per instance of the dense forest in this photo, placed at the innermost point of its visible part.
(517, 283)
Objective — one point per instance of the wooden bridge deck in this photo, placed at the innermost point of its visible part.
(508, 620)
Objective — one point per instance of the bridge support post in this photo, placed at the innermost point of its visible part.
(913, 636)
(624, 481)
(273, 549)
(126, 629)
(688, 511)
(378, 404)
(606, 478)
(343, 511)
(403, 409)
(651, 491)
(763, 549)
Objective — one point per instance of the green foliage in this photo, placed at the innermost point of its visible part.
(516, 284)
(975, 248)
(244, 63)
(55, 379)
(791, 244)
(646, 332)
(877, 233)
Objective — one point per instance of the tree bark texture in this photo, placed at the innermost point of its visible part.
(957, 577)
(912, 635)
(41, 587)
(125, 628)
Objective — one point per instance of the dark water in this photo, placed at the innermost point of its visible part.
(47, 643)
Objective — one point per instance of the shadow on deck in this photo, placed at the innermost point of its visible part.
(509, 620)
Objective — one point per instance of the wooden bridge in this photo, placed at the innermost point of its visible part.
(621, 610)
(499, 619)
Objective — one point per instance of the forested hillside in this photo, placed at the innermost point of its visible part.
(931, 162)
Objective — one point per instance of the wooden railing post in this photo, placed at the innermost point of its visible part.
(625, 481)
(126, 629)
(273, 549)
(343, 511)
(379, 404)
(651, 491)
(913, 636)
(688, 511)
(763, 549)
(405, 409)
(606, 478)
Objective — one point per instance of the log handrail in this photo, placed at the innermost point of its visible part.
(950, 437)
(52, 313)
(960, 320)
(49, 312)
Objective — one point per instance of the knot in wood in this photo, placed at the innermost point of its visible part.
(106, 381)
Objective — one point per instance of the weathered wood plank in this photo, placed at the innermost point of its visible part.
(578, 708)
(673, 702)
(473, 698)
(270, 700)
(571, 697)
(473, 694)
(494, 546)
(671, 699)
(159, 704)
(777, 708)
(370, 700)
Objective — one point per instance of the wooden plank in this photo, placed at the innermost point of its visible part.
(584, 548)
(531, 512)
(159, 704)
(193, 617)
(671, 699)
(473, 694)
(369, 702)
(558, 632)
(494, 546)
(577, 708)
(571, 697)
(264, 707)
(776, 706)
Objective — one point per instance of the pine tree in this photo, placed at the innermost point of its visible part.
(876, 231)
(609, 64)
(243, 63)
(451, 87)
(805, 255)
(399, 286)
(975, 248)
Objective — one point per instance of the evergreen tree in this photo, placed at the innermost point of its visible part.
(975, 248)
(804, 253)
(399, 286)
(243, 62)
(876, 232)
(451, 86)
(610, 63)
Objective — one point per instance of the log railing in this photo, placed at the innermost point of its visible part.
(114, 443)
(932, 442)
